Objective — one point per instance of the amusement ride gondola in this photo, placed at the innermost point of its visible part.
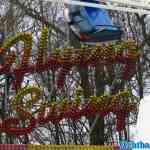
(90, 21)
(92, 25)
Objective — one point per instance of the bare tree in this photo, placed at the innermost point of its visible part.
(32, 16)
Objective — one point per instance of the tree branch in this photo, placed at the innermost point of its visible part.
(36, 15)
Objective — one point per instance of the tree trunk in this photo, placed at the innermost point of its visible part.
(97, 134)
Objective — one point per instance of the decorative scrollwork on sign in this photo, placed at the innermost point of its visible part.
(17, 102)
(126, 53)
(27, 39)
(120, 104)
